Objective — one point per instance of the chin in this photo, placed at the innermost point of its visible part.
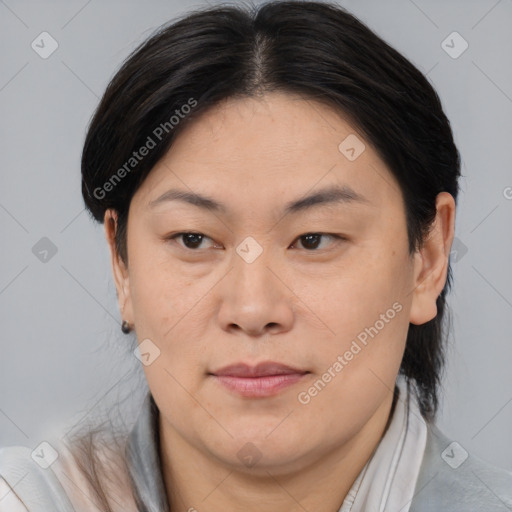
(263, 449)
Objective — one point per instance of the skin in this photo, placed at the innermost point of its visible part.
(207, 307)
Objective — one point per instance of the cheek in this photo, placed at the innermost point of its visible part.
(364, 312)
(357, 369)
(162, 294)
(169, 310)
(356, 292)
(370, 330)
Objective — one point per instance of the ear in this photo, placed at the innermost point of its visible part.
(119, 268)
(431, 262)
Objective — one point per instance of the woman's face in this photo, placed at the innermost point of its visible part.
(329, 311)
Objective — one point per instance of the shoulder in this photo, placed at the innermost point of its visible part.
(453, 480)
(27, 482)
(57, 477)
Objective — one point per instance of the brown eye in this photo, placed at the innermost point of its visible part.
(312, 241)
(190, 240)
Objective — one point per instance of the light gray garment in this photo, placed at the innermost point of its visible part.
(473, 486)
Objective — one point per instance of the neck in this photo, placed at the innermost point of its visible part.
(195, 482)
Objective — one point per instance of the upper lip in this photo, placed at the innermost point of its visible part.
(259, 370)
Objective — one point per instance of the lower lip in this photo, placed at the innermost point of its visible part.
(259, 386)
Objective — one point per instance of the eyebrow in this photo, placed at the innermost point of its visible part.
(329, 195)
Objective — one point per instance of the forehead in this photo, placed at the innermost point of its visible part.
(272, 148)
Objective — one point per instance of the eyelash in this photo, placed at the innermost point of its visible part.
(182, 233)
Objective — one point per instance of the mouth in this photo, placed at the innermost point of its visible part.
(263, 380)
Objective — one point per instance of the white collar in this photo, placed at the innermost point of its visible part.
(387, 481)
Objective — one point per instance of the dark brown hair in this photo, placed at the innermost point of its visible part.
(314, 49)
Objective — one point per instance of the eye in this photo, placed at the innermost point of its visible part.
(311, 241)
(190, 240)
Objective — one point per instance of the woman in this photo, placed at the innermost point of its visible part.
(278, 190)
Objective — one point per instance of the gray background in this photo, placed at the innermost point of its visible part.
(63, 355)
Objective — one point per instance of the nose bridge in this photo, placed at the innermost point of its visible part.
(251, 263)
(250, 249)
(253, 298)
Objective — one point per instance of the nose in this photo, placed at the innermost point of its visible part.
(255, 299)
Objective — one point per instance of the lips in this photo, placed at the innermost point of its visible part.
(260, 370)
(264, 379)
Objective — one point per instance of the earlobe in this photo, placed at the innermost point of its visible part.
(119, 269)
(431, 262)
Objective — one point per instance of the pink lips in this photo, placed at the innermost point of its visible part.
(264, 379)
